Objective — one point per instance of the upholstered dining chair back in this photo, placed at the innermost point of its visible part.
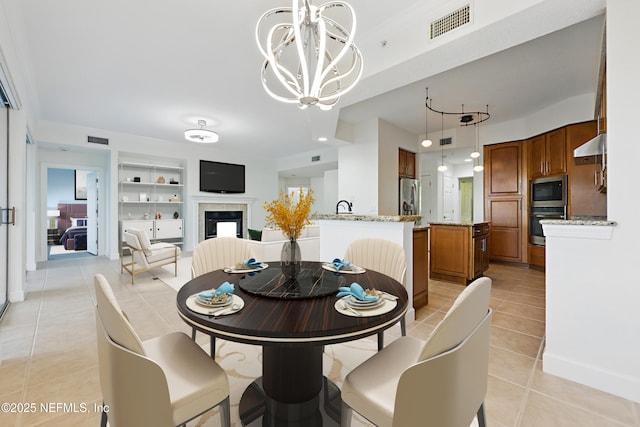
(381, 255)
(163, 381)
(214, 254)
(438, 382)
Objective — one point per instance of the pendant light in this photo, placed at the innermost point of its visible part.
(442, 167)
(426, 142)
(478, 167)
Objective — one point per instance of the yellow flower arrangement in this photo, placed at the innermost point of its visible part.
(289, 216)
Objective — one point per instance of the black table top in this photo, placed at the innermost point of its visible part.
(270, 320)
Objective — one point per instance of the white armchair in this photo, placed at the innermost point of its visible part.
(145, 256)
(441, 382)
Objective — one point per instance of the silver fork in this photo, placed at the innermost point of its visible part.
(351, 309)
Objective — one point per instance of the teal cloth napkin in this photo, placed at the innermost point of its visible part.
(356, 291)
(251, 262)
(338, 264)
(225, 288)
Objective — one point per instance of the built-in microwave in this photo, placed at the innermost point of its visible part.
(548, 191)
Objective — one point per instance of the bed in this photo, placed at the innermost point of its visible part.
(73, 225)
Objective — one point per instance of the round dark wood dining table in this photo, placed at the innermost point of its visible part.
(292, 319)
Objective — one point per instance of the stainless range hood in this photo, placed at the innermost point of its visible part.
(594, 147)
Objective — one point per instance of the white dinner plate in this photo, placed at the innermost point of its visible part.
(352, 269)
(363, 305)
(210, 303)
(234, 269)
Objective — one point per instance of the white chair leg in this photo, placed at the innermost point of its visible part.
(482, 422)
(345, 415)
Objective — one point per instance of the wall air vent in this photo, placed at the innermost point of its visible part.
(446, 141)
(97, 140)
(450, 22)
(315, 158)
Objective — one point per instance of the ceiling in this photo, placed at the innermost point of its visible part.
(153, 69)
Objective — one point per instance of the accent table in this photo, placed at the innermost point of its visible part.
(293, 321)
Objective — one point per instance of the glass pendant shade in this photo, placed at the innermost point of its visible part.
(442, 168)
(478, 168)
(426, 142)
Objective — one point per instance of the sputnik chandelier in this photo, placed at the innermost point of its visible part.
(310, 58)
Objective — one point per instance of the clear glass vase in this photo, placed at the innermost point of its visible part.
(290, 259)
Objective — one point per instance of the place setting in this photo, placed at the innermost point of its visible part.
(216, 302)
(357, 301)
(247, 266)
(342, 267)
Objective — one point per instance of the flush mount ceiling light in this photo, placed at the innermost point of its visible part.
(310, 58)
(201, 135)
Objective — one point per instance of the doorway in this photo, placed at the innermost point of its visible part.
(72, 198)
(466, 198)
(4, 204)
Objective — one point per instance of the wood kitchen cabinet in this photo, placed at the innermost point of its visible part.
(584, 174)
(548, 154)
(459, 252)
(420, 267)
(406, 164)
(505, 192)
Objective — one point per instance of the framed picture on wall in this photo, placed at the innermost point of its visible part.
(81, 185)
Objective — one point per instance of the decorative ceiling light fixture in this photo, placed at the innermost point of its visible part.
(467, 118)
(310, 59)
(442, 167)
(426, 142)
(201, 135)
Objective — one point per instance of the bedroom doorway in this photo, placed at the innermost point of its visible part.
(72, 213)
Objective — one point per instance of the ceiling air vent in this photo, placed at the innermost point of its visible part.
(315, 158)
(446, 141)
(98, 140)
(450, 22)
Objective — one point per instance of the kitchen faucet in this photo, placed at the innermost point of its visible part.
(349, 205)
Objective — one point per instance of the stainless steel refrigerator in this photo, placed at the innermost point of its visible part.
(409, 197)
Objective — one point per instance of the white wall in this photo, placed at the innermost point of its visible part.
(331, 196)
(261, 174)
(357, 178)
(593, 289)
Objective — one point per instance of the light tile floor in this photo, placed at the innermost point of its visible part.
(48, 348)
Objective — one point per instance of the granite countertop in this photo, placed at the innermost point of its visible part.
(461, 224)
(376, 218)
(592, 222)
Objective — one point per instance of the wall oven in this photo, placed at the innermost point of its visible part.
(547, 200)
(548, 191)
(536, 214)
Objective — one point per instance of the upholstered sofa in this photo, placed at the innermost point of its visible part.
(269, 246)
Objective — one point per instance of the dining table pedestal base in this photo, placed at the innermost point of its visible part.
(292, 390)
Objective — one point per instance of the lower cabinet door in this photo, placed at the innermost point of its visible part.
(168, 229)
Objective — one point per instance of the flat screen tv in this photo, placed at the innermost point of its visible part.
(216, 177)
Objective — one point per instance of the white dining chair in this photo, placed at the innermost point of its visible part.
(383, 256)
(214, 254)
(441, 382)
(163, 381)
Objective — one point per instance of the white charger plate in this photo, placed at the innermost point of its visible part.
(234, 269)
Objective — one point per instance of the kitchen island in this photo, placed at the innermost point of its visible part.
(459, 251)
